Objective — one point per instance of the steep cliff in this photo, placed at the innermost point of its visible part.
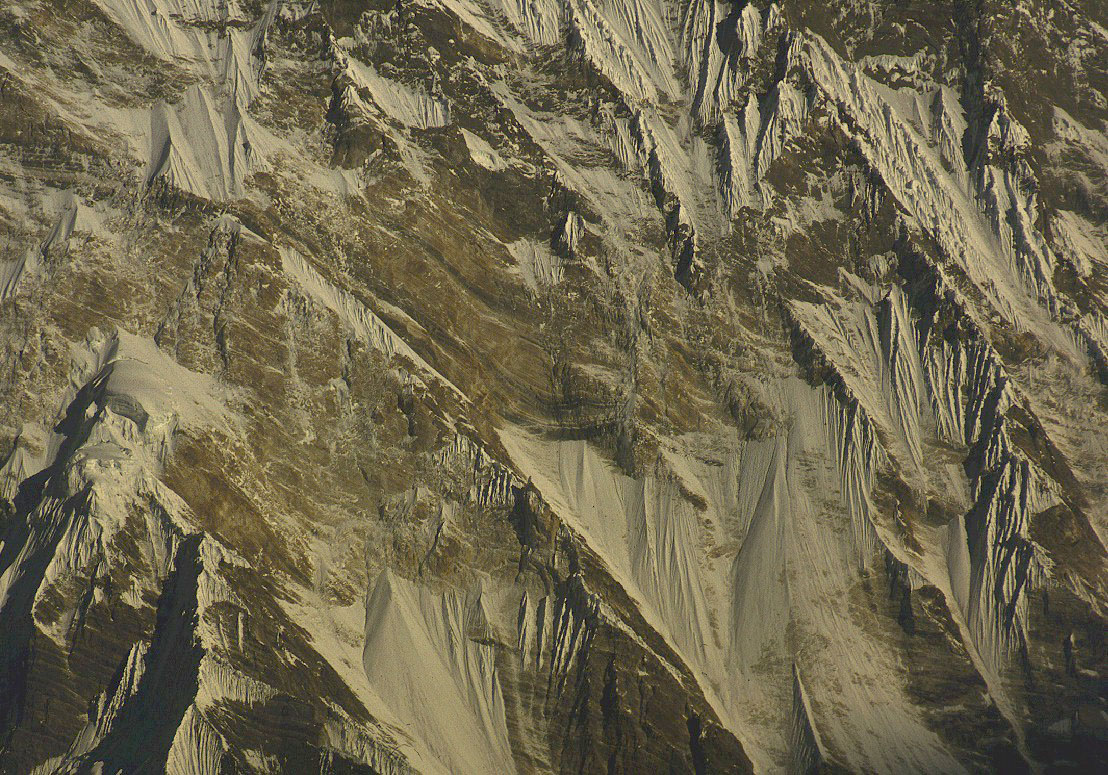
(481, 386)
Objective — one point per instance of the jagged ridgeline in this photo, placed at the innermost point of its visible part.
(553, 386)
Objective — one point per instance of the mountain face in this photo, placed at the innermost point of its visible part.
(553, 386)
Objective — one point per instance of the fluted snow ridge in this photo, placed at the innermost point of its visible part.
(806, 750)
(981, 206)
(491, 483)
(99, 492)
(717, 70)
(992, 561)
(432, 660)
(958, 385)
(554, 632)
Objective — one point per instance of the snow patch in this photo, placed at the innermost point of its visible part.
(482, 153)
(540, 267)
(408, 105)
(204, 146)
(366, 325)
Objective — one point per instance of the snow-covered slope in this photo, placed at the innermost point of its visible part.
(541, 386)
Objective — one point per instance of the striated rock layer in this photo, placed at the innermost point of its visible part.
(486, 386)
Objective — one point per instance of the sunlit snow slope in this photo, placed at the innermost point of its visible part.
(614, 386)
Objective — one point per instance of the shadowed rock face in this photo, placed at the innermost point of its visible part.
(465, 386)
